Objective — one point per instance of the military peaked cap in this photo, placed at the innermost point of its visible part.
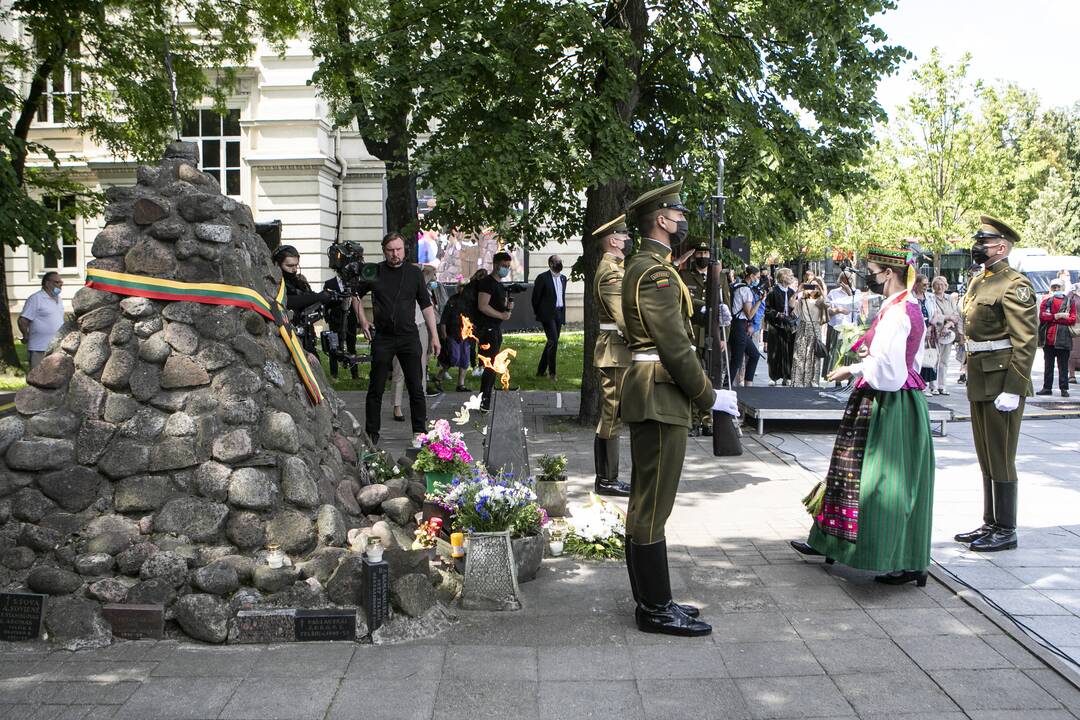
(702, 247)
(667, 196)
(612, 227)
(990, 228)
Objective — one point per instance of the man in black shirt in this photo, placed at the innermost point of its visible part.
(396, 292)
(493, 305)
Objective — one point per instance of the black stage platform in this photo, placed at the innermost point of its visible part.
(807, 403)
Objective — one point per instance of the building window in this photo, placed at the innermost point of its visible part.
(61, 101)
(63, 256)
(218, 138)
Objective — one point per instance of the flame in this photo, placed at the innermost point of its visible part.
(500, 364)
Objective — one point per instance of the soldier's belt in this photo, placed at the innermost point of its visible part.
(609, 326)
(645, 357)
(975, 346)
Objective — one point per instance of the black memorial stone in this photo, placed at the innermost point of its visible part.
(135, 622)
(505, 446)
(376, 578)
(263, 626)
(325, 624)
(20, 616)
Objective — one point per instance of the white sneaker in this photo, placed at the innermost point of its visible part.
(772, 383)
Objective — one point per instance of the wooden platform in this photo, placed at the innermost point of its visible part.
(799, 404)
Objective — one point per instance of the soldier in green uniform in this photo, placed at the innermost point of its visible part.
(1001, 323)
(611, 357)
(696, 279)
(663, 386)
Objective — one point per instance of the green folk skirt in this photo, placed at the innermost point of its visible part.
(896, 490)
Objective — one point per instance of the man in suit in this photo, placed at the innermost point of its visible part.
(549, 309)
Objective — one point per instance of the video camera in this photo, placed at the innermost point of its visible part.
(515, 287)
(347, 260)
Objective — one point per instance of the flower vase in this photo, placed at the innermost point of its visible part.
(434, 480)
(490, 573)
(528, 554)
(551, 495)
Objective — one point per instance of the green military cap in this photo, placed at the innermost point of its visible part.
(667, 196)
(702, 247)
(612, 227)
(990, 228)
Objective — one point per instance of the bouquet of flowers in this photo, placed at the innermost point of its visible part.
(442, 451)
(483, 502)
(379, 466)
(597, 530)
(427, 534)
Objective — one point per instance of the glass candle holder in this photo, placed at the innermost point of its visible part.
(374, 550)
(275, 557)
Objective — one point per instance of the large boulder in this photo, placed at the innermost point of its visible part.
(76, 623)
(199, 519)
(203, 616)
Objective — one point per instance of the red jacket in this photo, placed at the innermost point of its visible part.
(1051, 306)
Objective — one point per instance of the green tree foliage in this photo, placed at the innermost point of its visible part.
(1050, 224)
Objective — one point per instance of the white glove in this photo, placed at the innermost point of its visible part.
(1007, 402)
(726, 402)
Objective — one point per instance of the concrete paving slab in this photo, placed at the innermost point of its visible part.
(769, 659)
(484, 700)
(860, 655)
(176, 698)
(659, 662)
(281, 698)
(576, 663)
(793, 697)
(681, 699)
(893, 692)
(994, 690)
(384, 698)
(603, 700)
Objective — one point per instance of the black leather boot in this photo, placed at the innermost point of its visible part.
(606, 483)
(688, 609)
(656, 613)
(1004, 535)
(970, 537)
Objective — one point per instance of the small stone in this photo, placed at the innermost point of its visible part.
(119, 408)
(167, 230)
(215, 356)
(279, 432)
(124, 457)
(111, 540)
(100, 319)
(93, 439)
(147, 175)
(200, 207)
(114, 240)
(141, 493)
(345, 494)
(217, 578)
(31, 400)
(137, 307)
(297, 483)
(109, 590)
(245, 530)
(152, 592)
(203, 616)
(238, 381)
(270, 579)
(145, 382)
(273, 374)
(371, 497)
(322, 564)
(173, 453)
(39, 538)
(381, 530)
(293, 531)
(183, 372)
(52, 372)
(131, 560)
(121, 332)
(39, 454)
(413, 595)
(254, 323)
(346, 585)
(401, 510)
(30, 505)
(180, 424)
(151, 257)
(199, 519)
(232, 447)
(239, 411)
(148, 212)
(93, 352)
(167, 566)
(95, 564)
(170, 401)
(86, 396)
(53, 424)
(251, 488)
(53, 580)
(348, 452)
(146, 328)
(118, 369)
(87, 299)
(250, 350)
(17, 558)
(182, 337)
(330, 525)
(212, 480)
(213, 233)
(70, 343)
(12, 428)
(74, 488)
(76, 623)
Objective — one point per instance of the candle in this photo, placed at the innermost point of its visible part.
(275, 558)
(457, 542)
(556, 547)
(374, 550)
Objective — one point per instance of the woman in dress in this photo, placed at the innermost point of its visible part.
(876, 510)
(780, 316)
(948, 322)
(930, 341)
(810, 310)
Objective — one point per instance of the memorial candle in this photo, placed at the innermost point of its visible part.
(457, 545)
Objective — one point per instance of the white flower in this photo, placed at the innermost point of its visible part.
(473, 403)
(462, 416)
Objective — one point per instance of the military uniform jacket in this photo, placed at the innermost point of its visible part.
(1000, 305)
(657, 308)
(696, 283)
(611, 349)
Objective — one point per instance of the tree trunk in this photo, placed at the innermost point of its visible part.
(401, 207)
(8, 356)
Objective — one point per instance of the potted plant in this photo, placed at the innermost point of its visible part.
(442, 456)
(597, 531)
(551, 484)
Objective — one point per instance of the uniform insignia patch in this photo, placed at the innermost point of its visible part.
(662, 279)
(1024, 295)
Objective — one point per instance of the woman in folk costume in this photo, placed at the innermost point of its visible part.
(875, 510)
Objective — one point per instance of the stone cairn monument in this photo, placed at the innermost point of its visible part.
(162, 445)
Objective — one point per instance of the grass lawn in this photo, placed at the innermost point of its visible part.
(522, 368)
(14, 379)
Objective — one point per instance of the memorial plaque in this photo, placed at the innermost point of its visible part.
(20, 616)
(376, 593)
(326, 624)
(135, 622)
(263, 626)
(506, 448)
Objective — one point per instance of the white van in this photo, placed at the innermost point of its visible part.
(1041, 268)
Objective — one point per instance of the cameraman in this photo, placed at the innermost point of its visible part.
(396, 291)
(344, 318)
(493, 305)
(298, 294)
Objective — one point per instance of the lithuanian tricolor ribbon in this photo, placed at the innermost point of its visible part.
(213, 294)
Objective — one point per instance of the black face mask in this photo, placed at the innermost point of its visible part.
(701, 263)
(874, 285)
(979, 254)
(557, 267)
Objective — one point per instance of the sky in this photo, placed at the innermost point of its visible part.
(1034, 43)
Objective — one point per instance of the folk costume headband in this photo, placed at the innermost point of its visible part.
(895, 258)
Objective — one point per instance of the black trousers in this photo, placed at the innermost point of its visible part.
(552, 330)
(781, 353)
(406, 348)
(742, 347)
(492, 338)
(1062, 356)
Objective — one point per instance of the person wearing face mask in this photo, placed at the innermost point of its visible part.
(493, 306)
(549, 309)
(42, 315)
(1001, 324)
(1056, 315)
(611, 356)
(696, 278)
(662, 388)
(299, 296)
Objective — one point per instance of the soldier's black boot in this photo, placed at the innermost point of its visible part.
(656, 612)
(988, 516)
(1004, 535)
(688, 609)
(606, 482)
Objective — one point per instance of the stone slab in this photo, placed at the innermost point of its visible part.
(376, 577)
(20, 616)
(325, 625)
(263, 626)
(136, 622)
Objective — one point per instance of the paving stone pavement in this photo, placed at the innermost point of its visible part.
(792, 638)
